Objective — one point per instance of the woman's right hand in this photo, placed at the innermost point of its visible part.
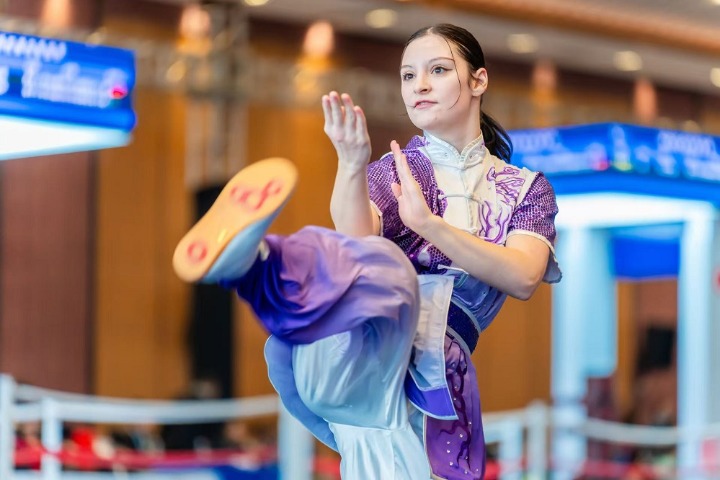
(346, 127)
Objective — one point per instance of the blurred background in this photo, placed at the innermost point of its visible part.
(89, 302)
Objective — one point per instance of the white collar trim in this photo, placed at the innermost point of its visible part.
(443, 153)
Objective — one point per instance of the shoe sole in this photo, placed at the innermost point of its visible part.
(255, 195)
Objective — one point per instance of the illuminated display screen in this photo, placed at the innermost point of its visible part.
(623, 148)
(58, 96)
(56, 80)
(613, 157)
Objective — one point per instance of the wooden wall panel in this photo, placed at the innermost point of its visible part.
(512, 358)
(143, 210)
(710, 115)
(45, 282)
(627, 347)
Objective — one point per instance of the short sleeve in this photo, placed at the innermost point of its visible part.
(535, 216)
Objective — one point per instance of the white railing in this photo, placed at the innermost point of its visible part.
(20, 403)
(522, 436)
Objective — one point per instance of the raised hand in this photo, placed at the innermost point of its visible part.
(346, 127)
(412, 206)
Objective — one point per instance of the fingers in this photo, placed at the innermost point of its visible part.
(361, 123)
(336, 113)
(327, 109)
(339, 110)
(349, 110)
(355, 123)
(401, 165)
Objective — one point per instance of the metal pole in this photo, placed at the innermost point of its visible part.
(698, 329)
(51, 436)
(7, 433)
(296, 447)
(537, 420)
(511, 450)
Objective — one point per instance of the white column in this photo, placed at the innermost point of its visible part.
(296, 448)
(537, 454)
(7, 430)
(510, 453)
(698, 333)
(51, 436)
(584, 335)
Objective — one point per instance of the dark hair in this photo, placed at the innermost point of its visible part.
(496, 138)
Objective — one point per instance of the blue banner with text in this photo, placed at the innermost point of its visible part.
(69, 82)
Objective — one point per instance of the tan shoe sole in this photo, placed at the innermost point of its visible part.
(249, 202)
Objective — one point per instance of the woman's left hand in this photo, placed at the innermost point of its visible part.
(413, 209)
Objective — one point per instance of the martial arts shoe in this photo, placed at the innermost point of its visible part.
(224, 243)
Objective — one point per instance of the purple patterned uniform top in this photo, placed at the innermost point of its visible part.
(472, 190)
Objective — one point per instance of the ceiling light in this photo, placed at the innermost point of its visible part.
(715, 75)
(627, 61)
(522, 43)
(381, 18)
(256, 3)
(319, 39)
(194, 22)
(57, 13)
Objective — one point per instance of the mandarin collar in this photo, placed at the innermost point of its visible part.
(442, 152)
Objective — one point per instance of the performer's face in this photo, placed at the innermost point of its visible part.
(439, 92)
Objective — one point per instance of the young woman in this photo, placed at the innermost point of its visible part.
(475, 228)
(355, 332)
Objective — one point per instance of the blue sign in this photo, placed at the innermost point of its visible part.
(613, 157)
(67, 82)
(621, 148)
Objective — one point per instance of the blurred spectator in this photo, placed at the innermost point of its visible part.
(85, 448)
(238, 435)
(28, 446)
(138, 438)
(201, 435)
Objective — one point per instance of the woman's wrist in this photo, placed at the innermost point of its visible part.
(351, 170)
(429, 226)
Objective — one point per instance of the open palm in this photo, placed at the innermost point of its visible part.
(412, 207)
(346, 127)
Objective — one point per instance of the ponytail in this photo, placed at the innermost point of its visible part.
(496, 138)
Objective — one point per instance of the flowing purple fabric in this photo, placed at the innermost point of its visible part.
(318, 283)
